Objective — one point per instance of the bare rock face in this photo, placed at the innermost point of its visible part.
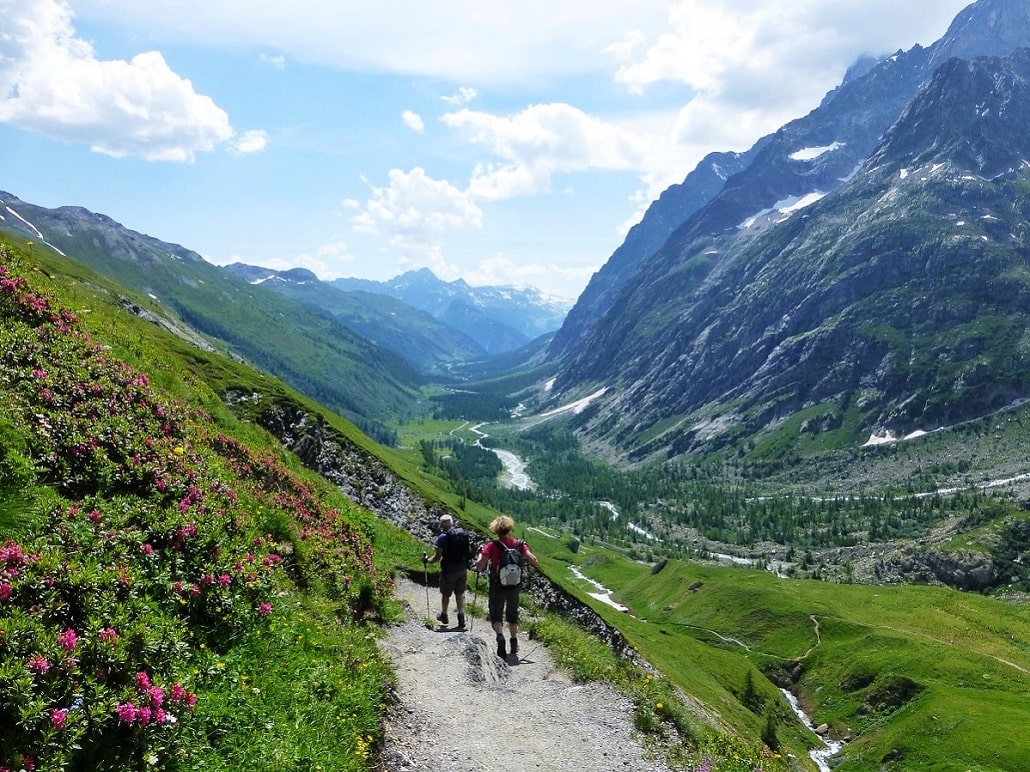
(961, 569)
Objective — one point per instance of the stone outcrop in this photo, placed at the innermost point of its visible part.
(960, 569)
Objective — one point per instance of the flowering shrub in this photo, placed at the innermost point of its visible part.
(150, 549)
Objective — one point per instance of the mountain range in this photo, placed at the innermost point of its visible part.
(861, 273)
(864, 273)
(430, 322)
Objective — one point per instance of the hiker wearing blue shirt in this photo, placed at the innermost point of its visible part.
(452, 552)
(506, 557)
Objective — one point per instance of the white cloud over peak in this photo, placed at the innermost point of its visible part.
(750, 54)
(500, 270)
(415, 210)
(52, 83)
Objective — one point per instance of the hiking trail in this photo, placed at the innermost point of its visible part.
(460, 708)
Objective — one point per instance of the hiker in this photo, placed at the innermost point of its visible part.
(452, 552)
(506, 556)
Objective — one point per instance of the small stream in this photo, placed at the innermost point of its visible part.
(822, 755)
(602, 593)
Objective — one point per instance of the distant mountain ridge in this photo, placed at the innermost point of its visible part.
(866, 273)
(498, 318)
(427, 344)
(319, 357)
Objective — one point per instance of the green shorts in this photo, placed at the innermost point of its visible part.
(455, 583)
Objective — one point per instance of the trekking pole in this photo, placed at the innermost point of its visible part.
(475, 598)
(425, 571)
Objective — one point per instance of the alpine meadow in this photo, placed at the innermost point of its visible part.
(774, 462)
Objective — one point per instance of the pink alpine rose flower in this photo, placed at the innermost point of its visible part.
(57, 718)
(39, 663)
(68, 640)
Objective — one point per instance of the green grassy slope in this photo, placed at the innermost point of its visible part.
(306, 349)
(175, 591)
(915, 677)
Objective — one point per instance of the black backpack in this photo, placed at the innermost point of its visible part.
(509, 565)
(457, 549)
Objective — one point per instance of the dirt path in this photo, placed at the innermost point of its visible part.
(462, 709)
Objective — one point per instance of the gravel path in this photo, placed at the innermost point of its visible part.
(460, 708)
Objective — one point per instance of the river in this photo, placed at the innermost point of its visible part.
(514, 474)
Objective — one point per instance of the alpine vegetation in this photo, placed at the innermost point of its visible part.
(150, 565)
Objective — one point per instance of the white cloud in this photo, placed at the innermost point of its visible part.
(52, 83)
(745, 57)
(488, 43)
(254, 141)
(415, 211)
(499, 270)
(540, 141)
(465, 95)
(413, 121)
(278, 62)
(458, 41)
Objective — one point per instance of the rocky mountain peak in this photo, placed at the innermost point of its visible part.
(985, 28)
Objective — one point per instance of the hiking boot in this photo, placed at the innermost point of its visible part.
(514, 648)
(442, 618)
(461, 621)
(500, 647)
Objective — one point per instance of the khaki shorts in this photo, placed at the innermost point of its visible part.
(455, 583)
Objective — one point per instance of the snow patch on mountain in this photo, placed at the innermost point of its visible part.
(781, 210)
(811, 153)
(576, 407)
(34, 229)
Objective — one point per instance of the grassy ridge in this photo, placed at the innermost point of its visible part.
(920, 677)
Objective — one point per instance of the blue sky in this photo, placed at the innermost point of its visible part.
(499, 142)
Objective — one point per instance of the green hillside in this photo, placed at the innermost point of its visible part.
(305, 348)
(912, 677)
(175, 591)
